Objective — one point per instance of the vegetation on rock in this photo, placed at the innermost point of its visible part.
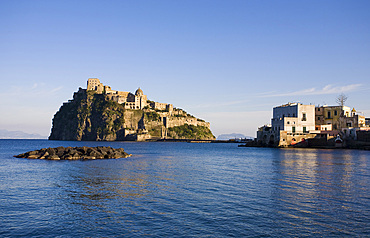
(190, 131)
(94, 117)
(152, 116)
(89, 116)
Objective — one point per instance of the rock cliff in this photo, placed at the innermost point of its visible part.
(94, 117)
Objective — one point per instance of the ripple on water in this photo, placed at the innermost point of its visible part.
(185, 190)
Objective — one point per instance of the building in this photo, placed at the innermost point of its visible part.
(295, 123)
(294, 118)
(95, 85)
(130, 101)
(291, 123)
(330, 115)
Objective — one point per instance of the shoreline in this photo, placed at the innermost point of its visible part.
(353, 147)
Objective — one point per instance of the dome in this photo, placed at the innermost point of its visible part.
(139, 92)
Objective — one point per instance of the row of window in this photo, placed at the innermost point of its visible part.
(304, 116)
(335, 112)
(304, 129)
(293, 129)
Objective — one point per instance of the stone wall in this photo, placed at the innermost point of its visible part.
(281, 138)
(287, 139)
(161, 106)
(363, 136)
(179, 121)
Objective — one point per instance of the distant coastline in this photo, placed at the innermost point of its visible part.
(5, 134)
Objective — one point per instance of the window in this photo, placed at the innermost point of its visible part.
(329, 114)
(318, 109)
(304, 129)
(335, 113)
(318, 118)
(304, 118)
(293, 129)
(288, 122)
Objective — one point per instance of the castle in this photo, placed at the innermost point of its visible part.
(91, 115)
(129, 100)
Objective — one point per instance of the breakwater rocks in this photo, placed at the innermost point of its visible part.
(75, 153)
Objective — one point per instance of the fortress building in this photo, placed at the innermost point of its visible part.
(131, 101)
(100, 113)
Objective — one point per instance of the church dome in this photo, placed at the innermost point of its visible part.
(139, 92)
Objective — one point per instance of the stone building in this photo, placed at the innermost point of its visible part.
(95, 85)
(329, 115)
(339, 117)
(131, 101)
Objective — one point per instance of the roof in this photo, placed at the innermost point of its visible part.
(139, 92)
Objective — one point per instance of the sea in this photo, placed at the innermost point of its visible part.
(178, 189)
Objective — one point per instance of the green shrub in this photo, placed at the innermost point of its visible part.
(152, 116)
(190, 132)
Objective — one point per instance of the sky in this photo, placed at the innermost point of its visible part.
(227, 62)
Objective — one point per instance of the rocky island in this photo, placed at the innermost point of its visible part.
(74, 153)
(99, 113)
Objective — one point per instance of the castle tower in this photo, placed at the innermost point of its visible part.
(139, 92)
(95, 85)
(140, 99)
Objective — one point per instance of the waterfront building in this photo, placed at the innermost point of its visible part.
(294, 123)
(291, 123)
(339, 117)
(294, 118)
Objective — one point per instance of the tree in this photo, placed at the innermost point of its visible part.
(341, 99)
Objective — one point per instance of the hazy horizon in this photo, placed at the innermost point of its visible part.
(228, 63)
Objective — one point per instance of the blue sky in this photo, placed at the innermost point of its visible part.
(228, 62)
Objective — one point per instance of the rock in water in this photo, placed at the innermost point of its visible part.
(73, 153)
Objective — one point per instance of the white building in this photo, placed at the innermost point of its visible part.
(294, 118)
(291, 123)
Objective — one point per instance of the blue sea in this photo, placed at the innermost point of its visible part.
(185, 190)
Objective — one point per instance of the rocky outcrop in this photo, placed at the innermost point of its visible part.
(74, 153)
(95, 117)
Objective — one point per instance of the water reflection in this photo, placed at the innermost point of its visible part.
(313, 186)
(107, 189)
